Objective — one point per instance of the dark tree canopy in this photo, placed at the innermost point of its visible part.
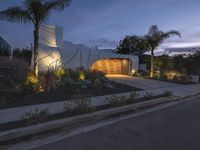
(131, 45)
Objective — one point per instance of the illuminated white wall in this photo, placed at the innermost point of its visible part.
(50, 39)
(49, 58)
(51, 36)
(56, 53)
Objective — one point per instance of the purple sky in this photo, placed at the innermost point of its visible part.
(105, 22)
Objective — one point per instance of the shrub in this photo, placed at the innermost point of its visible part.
(59, 73)
(115, 101)
(163, 76)
(168, 93)
(70, 73)
(48, 80)
(133, 96)
(82, 104)
(136, 74)
(66, 81)
(148, 96)
(32, 84)
(98, 75)
(36, 116)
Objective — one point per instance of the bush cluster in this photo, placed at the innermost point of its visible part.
(52, 79)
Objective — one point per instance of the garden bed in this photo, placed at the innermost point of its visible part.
(62, 94)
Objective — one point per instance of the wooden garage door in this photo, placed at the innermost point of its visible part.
(110, 66)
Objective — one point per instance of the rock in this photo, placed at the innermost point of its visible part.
(67, 81)
(86, 82)
(104, 80)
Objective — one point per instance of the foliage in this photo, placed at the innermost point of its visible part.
(81, 104)
(177, 68)
(116, 101)
(153, 39)
(131, 45)
(36, 116)
(52, 79)
(136, 74)
(35, 12)
(31, 85)
(167, 93)
(80, 74)
(47, 81)
(148, 95)
(67, 81)
(149, 42)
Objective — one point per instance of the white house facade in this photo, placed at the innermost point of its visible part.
(56, 53)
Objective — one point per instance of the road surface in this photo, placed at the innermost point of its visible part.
(172, 128)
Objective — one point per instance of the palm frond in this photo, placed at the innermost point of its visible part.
(153, 29)
(57, 4)
(15, 14)
(172, 32)
(39, 12)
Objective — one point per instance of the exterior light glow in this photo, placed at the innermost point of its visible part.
(82, 76)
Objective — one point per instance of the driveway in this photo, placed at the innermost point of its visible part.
(172, 128)
(142, 83)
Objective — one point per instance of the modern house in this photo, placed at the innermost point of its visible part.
(56, 53)
(5, 48)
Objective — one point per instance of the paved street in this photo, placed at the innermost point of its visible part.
(172, 128)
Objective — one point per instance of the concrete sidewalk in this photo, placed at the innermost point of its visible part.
(146, 84)
(155, 86)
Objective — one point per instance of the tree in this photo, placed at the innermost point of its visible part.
(35, 12)
(153, 39)
(131, 45)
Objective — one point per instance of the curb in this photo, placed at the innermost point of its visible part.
(78, 120)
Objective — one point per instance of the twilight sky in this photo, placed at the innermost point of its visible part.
(105, 22)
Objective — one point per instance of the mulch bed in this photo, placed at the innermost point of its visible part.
(62, 94)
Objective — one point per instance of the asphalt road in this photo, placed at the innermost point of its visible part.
(173, 128)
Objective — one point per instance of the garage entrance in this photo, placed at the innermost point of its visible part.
(113, 66)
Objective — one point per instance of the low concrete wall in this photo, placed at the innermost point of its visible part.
(16, 114)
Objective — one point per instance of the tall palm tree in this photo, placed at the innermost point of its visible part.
(35, 12)
(153, 39)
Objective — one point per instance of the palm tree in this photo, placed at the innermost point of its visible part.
(35, 12)
(153, 39)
